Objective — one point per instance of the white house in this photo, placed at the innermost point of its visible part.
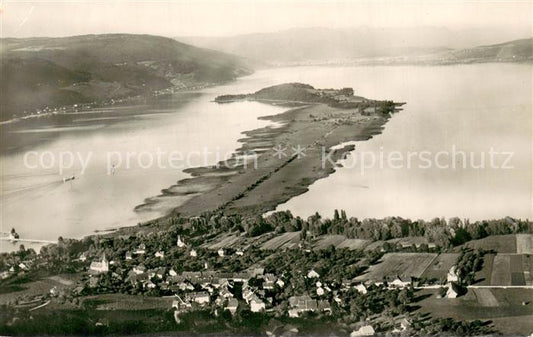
(100, 266)
(160, 254)
(140, 269)
(452, 275)
(320, 291)
(221, 252)
(248, 295)
(270, 281)
(312, 274)
(180, 243)
(172, 272)
(256, 305)
(140, 250)
(400, 282)
(129, 256)
(193, 253)
(452, 291)
(201, 297)
(366, 330)
(361, 288)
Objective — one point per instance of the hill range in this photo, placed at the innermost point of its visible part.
(40, 73)
(323, 46)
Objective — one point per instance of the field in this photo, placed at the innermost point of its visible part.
(224, 242)
(410, 241)
(339, 241)
(509, 244)
(483, 276)
(440, 266)
(399, 264)
(9, 292)
(485, 297)
(353, 244)
(129, 302)
(506, 270)
(524, 244)
(286, 240)
(503, 307)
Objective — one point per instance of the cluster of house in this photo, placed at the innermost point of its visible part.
(340, 95)
(19, 268)
(196, 289)
(403, 281)
(220, 287)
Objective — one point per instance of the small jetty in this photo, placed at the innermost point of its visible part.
(13, 236)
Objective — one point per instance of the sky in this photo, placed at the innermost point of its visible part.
(225, 18)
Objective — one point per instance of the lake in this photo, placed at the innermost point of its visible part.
(470, 107)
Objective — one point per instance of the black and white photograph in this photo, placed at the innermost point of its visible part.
(339, 168)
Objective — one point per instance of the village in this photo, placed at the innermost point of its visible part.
(371, 286)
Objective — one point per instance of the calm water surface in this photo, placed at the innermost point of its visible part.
(37, 203)
(470, 107)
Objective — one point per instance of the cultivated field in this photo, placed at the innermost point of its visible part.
(509, 315)
(410, 241)
(224, 242)
(286, 240)
(399, 264)
(485, 297)
(130, 302)
(440, 266)
(340, 241)
(353, 244)
(524, 243)
(509, 244)
(506, 270)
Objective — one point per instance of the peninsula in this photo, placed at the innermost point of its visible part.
(275, 164)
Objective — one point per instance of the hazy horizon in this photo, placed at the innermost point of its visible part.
(211, 18)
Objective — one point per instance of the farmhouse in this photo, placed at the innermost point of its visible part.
(200, 297)
(452, 275)
(361, 288)
(270, 281)
(401, 281)
(99, 267)
(160, 254)
(300, 304)
(140, 250)
(453, 290)
(256, 305)
(366, 330)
